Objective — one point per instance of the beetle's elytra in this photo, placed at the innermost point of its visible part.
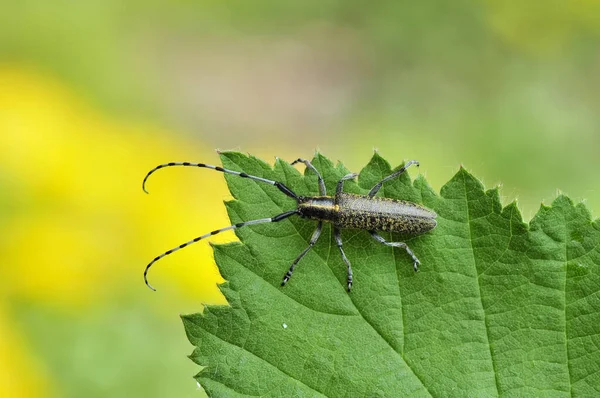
(343, 210)
(350, 211)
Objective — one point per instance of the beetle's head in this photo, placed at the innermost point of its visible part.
(304, 204)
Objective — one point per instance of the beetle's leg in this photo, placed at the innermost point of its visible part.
(322, 189)
(277, 218)
(395, 174)
(338, 239)
(401, 245)
(340, 184)
(312, 242)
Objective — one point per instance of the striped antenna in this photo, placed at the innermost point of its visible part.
(278, 184)
(279, 217)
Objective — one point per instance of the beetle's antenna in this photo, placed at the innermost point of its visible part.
(278, 184)
(279, 217)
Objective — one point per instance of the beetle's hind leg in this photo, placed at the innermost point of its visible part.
(401, 245)
(312, 242)
(338, 239)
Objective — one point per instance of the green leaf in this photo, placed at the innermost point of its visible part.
(499, 307)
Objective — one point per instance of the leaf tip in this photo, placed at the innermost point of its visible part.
(187, 319)
(378, 163)
(543, 207)
(377, 157)
(321, 159)
(462, 175)
(228, 154)
(562, 201)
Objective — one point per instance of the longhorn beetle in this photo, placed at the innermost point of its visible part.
(343, 210)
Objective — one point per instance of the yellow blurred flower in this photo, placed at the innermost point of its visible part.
(77, 228)
(20, 375)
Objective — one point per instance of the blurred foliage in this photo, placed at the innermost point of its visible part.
(505, 87)
(93, 94)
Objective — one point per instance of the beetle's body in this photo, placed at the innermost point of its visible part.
(343, 210)
(351, 211)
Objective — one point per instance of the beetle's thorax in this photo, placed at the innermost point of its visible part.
(317, 207)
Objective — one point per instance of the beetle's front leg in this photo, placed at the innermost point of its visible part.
(312, 242)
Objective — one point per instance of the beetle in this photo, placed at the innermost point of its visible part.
(344, 210)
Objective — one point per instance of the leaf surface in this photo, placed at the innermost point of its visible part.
(499, 307)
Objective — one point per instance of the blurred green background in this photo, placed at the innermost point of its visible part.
(93, 94)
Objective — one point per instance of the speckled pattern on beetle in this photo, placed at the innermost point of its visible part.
(350, 211)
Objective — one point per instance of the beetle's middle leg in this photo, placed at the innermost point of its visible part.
(312, 242)
(340, 184)
(401, 245)
(338, 239)
(395, 174)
